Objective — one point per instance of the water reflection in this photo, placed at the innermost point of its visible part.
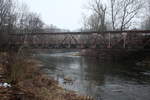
(106, 81)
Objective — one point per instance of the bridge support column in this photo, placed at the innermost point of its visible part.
(124, 39)
(109, 44)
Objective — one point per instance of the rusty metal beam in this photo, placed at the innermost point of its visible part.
(85, 33)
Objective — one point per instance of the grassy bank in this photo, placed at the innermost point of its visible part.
(28, 83)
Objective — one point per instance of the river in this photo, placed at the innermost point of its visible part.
(103, 81)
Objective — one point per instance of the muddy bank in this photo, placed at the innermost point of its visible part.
(28, 83)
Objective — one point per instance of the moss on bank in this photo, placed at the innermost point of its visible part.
(28, 83)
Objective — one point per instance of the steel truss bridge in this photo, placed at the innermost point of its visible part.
(129, 40)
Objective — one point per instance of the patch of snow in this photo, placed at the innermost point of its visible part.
(6, 85)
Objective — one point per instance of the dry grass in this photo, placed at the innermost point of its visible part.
(21, 69)
(44, 88)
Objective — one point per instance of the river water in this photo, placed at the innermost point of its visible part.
(103, 81)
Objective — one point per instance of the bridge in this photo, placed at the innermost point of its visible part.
(114, 40)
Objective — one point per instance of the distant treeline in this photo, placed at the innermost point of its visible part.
(16, 18)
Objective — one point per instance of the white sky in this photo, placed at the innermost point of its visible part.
(65, 14)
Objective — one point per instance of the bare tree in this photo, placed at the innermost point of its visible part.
(146, 22)
(34, 22)
(123, 13)
(28, 21)
(96, 21)
(5, 19)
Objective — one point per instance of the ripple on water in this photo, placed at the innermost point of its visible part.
(74, 66)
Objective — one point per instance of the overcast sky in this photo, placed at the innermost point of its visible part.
(65, 14)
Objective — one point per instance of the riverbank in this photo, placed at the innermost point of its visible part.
(121, 55)
(144, 63)
(21, 79)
